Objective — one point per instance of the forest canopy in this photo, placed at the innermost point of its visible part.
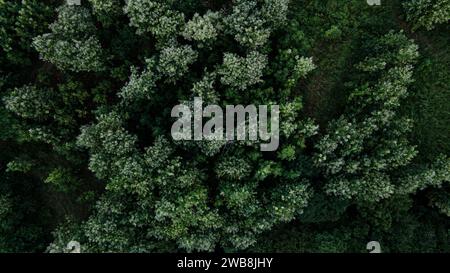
(87, 155)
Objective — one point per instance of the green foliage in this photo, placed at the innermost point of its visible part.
(426, 176)
(155, 17)
(86, 153)
(358, 162)
(68, 231)
(174, 61)
(427, 13)
(427, 102)
(202, 29)
(106, 11)
(20, 22)
(140, 86)
(251, 22)
(29, 102)
(72, 45)
(242, 72)
(441, 201)
(233, 168)
(62, 180)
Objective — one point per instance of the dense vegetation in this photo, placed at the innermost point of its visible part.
(86, 153)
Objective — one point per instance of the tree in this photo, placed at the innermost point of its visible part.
(106, 11)
(251, 22)
(358, 155)
(174, 61)
(29, 102)
(239, 72)
(202, 29)
(159, 195)
(86, 146)
(427, 13)
(20, 22)
(155, 17)
(72, 45)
